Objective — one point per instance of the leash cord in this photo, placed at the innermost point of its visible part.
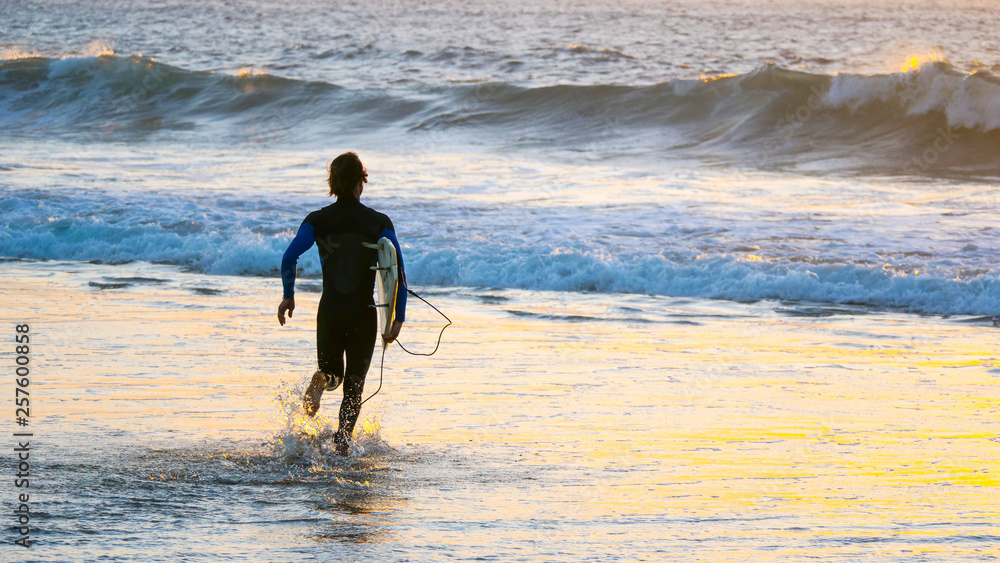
(440, 334)
(385, 345)
(381, 367)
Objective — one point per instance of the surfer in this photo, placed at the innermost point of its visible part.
(346, 320)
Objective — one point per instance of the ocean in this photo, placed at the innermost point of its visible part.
(723, 277)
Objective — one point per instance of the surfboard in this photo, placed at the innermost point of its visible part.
(386, 281)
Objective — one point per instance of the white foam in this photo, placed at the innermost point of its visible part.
(239, 237)
(968, 100)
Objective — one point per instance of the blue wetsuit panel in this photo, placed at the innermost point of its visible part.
(302, 242)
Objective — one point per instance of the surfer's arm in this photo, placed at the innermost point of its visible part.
(400, 315)
(302, 242)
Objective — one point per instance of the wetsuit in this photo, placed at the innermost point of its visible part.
(346, 320)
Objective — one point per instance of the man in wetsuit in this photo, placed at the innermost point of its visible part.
(346, 320)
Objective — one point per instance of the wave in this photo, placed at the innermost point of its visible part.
(730, 277)
(114, 96)
(231, 236)
(931, 119)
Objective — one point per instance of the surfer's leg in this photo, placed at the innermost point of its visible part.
(330, 342)
(310, 402)
(359, 348)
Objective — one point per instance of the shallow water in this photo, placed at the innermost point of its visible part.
(551, 426)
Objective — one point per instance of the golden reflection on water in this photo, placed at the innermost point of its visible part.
(843, 421)
(837, 427)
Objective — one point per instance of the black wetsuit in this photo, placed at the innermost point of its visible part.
(346, 320)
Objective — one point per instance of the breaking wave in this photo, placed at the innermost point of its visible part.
(232, 236)
(933, 118)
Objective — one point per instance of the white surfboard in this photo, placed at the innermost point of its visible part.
(386, 283)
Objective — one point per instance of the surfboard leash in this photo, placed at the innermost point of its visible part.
(440, 334)
(381, 368)
(385, 345)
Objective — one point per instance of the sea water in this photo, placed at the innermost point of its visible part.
(723, 275)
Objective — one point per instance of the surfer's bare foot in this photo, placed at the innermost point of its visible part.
(310, 403)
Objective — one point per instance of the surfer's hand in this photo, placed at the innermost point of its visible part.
(393, 332)
(286, 305)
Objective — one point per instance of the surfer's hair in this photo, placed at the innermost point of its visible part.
(345, 172)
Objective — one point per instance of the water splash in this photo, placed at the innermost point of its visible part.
(309, 441)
